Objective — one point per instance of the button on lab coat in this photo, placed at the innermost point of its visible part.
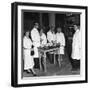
(50, 36)
(28, 59)
(60, 39)
(36, 41)
(76, 45)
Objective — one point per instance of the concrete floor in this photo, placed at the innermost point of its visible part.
(54, 69)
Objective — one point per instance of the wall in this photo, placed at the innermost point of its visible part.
(5, 46)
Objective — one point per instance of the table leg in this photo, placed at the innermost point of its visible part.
(54, 58)
(59, 60)
(40, 61)
(45, 70)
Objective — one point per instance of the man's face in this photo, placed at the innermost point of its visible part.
(75, 27)
(58, 30)
(36, 25)
(27, 34)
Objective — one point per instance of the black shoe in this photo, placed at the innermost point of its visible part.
(27, 71)
(34, 74)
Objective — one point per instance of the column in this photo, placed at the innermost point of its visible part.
(51, 19)
(40, 19)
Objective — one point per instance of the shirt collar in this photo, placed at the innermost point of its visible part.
(77, 30)
(52, 32)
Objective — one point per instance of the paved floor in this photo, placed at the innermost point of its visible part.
(54, 69)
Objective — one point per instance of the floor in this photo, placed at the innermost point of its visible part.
(54, 69)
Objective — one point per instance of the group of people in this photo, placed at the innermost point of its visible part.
(34, 39)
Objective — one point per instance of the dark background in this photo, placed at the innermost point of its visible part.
(63, 20)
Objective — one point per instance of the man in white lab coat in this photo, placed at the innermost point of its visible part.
(76, 49)
(51, 37)
(36, 42)
(60, 39)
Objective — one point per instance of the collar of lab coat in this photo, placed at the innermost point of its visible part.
(77, 30)
(51, 32)
(35, 29)
(76, 33)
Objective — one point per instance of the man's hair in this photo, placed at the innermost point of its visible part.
(36, 24)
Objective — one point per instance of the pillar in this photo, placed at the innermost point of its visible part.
(51, 19)
(40, 19)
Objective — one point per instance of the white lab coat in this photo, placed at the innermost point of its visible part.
(60, 39)
(43, 39)
(28, 59)
(76, 45)
(36, 41)
(51, 36)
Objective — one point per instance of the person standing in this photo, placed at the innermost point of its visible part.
(36, 43)
(43, 39)
(51, 37)
(60, 39)
(28, 59)
(76, 49)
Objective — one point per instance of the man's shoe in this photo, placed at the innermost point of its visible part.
(34, 74)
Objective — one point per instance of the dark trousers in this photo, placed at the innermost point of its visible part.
(36, 63)
(75, 64)
(51, 58)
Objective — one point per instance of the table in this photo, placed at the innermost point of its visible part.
(44, 51)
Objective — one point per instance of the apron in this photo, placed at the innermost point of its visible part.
(36, 41)
(60, 39)
(28, 59)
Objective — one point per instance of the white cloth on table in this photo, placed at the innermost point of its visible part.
(28, 59)
(36, 41)
(76, 45)
(60, 39)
